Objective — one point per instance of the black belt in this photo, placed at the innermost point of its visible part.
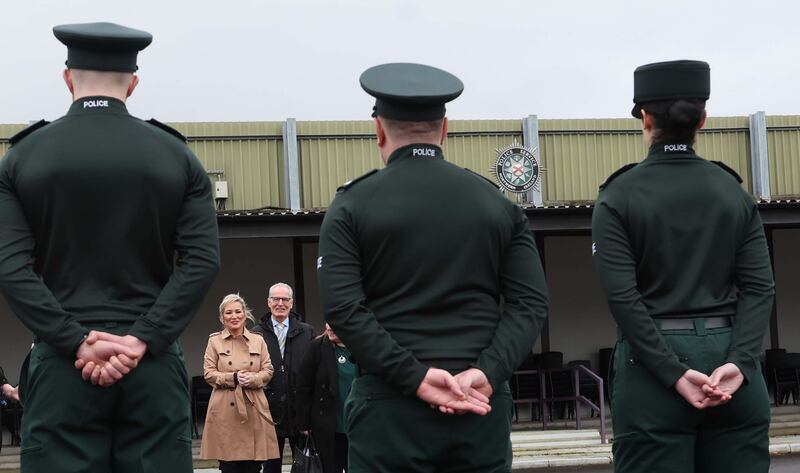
(691, 323)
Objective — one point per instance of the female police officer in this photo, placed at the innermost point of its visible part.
(682, 257)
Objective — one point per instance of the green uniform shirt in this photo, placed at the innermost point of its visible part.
(414, 262)
(105, 217)
(677, 236)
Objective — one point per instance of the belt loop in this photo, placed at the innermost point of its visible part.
(700, 326)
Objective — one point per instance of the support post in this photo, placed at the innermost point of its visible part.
(291, 166)
(759, 155)
(530, 139)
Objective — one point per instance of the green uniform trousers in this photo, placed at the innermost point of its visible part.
(392, 433)
(657, 431)
(140, 424)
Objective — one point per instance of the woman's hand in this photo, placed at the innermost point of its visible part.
(246, 378)
(11, 392)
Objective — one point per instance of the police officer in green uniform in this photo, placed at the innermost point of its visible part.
(108, 243)
(681, 254)
(432, 279)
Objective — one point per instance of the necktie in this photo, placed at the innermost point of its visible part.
(281, 333)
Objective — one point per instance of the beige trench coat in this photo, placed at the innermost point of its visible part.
(238, 422)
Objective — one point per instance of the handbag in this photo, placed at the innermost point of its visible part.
(306, 459)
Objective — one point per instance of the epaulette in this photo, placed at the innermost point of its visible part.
(167, 128)
(617, 173)
(352, 182)
(729, 170)
(27, 131)
(493, 184)
(213, 334)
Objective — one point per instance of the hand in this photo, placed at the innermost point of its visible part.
(306, 432)
(246, 378)
(94, 353)
(440, 389)
(690, 387)
(474, 381)
(11, 392)
(105, 358)
(724, 382)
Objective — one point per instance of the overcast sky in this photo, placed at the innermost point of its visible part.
(246, 60)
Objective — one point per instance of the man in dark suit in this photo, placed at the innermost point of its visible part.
(287, 339)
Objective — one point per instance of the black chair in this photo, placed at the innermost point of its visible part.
(604, 358)
(201, 393)
(526, 389)
(588, 385)
(787, 379)
(551, 360)
(560, 384)
(772, 358)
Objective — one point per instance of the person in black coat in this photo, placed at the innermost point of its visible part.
(287, 340)
(323, 384)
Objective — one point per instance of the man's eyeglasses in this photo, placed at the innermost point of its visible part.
(285, 300)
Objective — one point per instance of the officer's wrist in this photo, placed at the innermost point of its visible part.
(78, 346)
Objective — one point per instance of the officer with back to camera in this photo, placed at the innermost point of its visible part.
(681, 253)
(108, 244)
(431, 278)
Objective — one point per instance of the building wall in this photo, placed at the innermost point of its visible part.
(576, 155)
(580, 322)
(249, 267)
(787, 283)
(783, 144)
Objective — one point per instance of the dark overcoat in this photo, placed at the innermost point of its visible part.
(317, 395)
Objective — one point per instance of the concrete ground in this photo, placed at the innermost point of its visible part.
(783, 464)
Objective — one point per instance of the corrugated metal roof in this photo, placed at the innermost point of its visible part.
(250, 155)
(564, 207)
(576, 155)
(332, 153)
(783, 143)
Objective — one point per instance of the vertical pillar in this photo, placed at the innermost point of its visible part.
(530, 139)
(299, 278)
(774, 339)
(291, 166)
(759, 155)
(545, 333)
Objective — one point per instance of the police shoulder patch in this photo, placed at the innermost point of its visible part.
(491, 182)
(729, 170)
(27, 131)
(352, 182)
(617, 173)
(167, 128)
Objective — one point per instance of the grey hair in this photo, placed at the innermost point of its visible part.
(231, 298)
(284, 285)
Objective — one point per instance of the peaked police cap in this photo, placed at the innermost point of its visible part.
(670, 80)
(410, 92)
(102, 46)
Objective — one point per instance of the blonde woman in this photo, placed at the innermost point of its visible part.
(238, 430)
